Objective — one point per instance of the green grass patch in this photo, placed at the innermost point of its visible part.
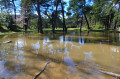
(4, 30)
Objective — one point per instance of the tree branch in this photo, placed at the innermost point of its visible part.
(111, 74)
(41, 70)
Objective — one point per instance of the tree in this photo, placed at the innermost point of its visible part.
(6, 17)
(79, 6)
(7, 5)
(64, 25)
(106, 12)
(55, 15)
(40, 4)
(117, 13)
(14, 10)
(26, 12)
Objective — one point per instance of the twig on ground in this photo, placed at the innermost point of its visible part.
(111, 74)
(41, 70)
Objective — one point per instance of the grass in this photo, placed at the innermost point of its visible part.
(10, 32)
(4, 30)
(77, 29)
(60, 29)
(50, 29)
(110, 31)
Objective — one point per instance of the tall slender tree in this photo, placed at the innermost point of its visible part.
(55, 15)
(64, 25)
(14, 9)
(84, 12)
(37, 4)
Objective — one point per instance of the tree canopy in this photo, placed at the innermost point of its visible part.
(90, 14)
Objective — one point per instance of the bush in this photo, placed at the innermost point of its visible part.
(97, 26)
(10, 24)
(33, 24)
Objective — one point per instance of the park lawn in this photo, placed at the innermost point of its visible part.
(4, 30)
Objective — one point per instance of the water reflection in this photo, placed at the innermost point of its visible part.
(3, 71)
(36, 46)
(119, 36)
(88, 57)
(79, 55)
(81, 40)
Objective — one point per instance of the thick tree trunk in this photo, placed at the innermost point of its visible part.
(107, 23)
(53, 26)
(26, 24)
(64, 25)
(39, 18)
(25, 21)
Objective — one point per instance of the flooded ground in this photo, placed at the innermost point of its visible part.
(71, 56)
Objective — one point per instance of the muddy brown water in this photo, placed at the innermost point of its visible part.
(71, 55)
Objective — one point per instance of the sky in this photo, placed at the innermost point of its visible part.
(67, 1)
(17, 2)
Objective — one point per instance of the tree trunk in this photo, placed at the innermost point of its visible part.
(64, 25)
(53, 26)
(95, 21)
(14, 10)
(55, 17)
(106, 22)
(39, 18)
(119, 7)
(26, 24)
(52, 19)
(81, 24)
(86, 21)
(38, 26)
(25, 21)
(115, 23)
(117, 18)
(86, 16)
(90, 20)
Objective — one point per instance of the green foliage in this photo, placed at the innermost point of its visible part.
(33, 24)
(106, 13)
(102, 13)
(3, 17)
(97, 26)
(7, 20)
(10, 24)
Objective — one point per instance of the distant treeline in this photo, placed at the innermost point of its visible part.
(39, 14)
